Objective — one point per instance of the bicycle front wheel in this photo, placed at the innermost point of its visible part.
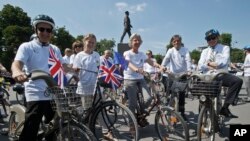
(116, 119)
(206, 124)
(170, 125)
(75, 131)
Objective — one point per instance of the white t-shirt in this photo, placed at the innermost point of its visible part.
(178, 60)
(88, 64)
(148, 68)
(35, 57)
(247, 65)
(136, 59)
(66, 59)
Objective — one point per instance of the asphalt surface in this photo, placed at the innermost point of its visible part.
(149, 133)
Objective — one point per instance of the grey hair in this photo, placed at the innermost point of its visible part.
(134, 35)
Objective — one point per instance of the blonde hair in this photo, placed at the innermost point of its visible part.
(87, 36)
(134, 35)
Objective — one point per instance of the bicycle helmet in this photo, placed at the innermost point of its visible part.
(43, 19)
(247, 47)
(212, 32)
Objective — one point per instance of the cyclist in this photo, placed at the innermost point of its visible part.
(246, 67)
(134, 72)
(217, 56)
(34, 55)
(178, 61)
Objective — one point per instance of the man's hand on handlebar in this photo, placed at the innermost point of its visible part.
(20, 76)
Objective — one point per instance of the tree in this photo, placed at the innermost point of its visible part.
(62, 39)
(104, 44)
(15, 28)
(226, 39)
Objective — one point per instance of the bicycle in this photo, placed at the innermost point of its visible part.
(4, 94)
(208, 89)
(168, 123)
(63, 125)
(175, 84)
(115, 117)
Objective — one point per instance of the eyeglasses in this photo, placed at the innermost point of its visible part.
(78, 46)
(42, 29)
(211, 38)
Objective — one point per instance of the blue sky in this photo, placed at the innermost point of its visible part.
(155, 20)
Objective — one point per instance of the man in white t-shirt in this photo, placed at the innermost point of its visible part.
(34, 55)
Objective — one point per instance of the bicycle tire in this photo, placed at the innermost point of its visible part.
(120, 121)
(170, 125)
(15, 126)
(75, 131)
(206, 124)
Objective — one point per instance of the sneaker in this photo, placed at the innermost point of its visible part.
(108, 136)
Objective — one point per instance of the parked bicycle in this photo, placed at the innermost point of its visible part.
(208, 89)
(64, 126)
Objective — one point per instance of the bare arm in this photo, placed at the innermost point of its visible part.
(17, 72)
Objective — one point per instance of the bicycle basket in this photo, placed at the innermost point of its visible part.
(179, 85)
(65, 99)
(212, 88)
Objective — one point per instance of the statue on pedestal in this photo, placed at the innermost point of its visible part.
(127, 26)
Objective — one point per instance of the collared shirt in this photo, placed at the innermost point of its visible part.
(222, 57)
(178, 61)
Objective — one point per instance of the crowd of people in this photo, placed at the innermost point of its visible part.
(82, 62)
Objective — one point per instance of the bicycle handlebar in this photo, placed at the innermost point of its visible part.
(209, 77)
(39, 74)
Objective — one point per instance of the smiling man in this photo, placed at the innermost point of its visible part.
(35, 56)
(216, 57)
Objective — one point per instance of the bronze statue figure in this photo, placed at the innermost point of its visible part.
(127, 26)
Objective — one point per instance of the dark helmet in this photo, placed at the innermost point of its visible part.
(212, 32)
(43, 19)
(247, 47)
(127, 12)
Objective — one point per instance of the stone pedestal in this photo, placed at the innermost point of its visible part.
(122, 47)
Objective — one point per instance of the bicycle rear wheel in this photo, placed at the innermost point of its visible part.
(116, 119)
(206, 124)
(75, 131)
(170, 125)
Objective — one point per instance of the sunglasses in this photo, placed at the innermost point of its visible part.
(211, 38)
(42, 29)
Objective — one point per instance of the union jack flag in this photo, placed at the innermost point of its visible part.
(110, 74)
(56, 70)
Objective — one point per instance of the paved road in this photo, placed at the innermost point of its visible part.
(149, 134)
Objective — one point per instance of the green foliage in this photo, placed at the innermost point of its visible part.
(15, 28)
(195, 54)
(158, 58)
(14, 35)
(226, 39)
(237, 55)
(105, 44)
(62, 39)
